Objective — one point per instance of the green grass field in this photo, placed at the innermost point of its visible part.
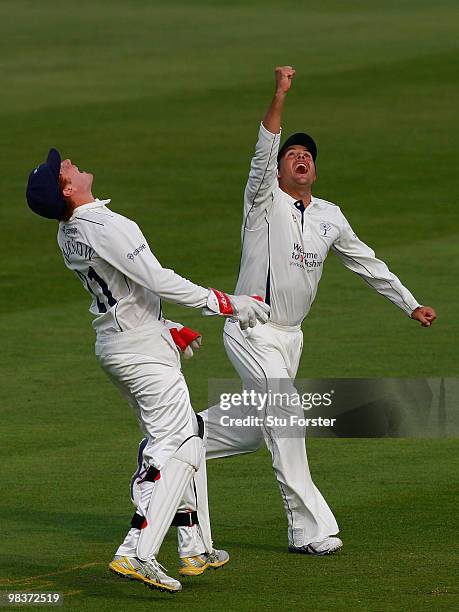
(162, 102)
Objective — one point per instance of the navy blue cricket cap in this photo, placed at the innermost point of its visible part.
(300, 138)
(43, 193)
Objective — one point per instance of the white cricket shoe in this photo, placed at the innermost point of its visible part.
(151, 573)
(327, 546)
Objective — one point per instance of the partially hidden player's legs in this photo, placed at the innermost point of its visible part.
(192, 516)
(260, 365)
(172, 454)
(192, 520)
(219, 441)
(191, 540)
(169, 486)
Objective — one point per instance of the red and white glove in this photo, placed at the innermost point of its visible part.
(245, 309)
(186, 339)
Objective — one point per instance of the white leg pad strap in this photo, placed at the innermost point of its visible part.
(167, 495)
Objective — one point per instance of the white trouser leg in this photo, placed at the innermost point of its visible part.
(146, 369)
(129, 546)
(259, 364)
(190, 543)
(223, 440)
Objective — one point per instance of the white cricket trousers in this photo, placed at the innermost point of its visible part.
(263, 356)
(144, 365)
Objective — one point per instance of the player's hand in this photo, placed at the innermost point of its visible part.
(186, 340)
(247, 310)
(425, 315)
(284, 76)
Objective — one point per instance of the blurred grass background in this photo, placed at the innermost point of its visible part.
(162, 103)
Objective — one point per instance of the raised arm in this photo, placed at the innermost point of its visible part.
(263, 168)
(359, 258)
(272, 119)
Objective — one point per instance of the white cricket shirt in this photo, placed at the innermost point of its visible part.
(284, 245)
(111, 257)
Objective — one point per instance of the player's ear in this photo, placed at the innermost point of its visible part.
(67, 190)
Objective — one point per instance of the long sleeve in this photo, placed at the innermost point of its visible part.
(359, 258)
(122, 245)
(262, 177)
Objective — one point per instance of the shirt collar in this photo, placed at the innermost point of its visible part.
(96, 204)
(292, 201)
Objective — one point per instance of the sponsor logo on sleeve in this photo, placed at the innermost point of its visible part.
(138, 250)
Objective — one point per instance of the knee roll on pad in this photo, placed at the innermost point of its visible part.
(190, 452)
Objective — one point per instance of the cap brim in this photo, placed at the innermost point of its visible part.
(300, 138)
(54, 162)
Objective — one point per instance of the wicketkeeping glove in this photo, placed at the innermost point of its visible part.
(185, 339)
(245, 309)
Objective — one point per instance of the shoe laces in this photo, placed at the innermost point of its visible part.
(212, 556)
(152, 568)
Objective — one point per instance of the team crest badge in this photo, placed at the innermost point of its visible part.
(325, 228)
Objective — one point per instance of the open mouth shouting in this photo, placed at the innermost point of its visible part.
(301, 168)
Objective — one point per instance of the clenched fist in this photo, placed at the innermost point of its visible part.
(425, 315)
(284, 76)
